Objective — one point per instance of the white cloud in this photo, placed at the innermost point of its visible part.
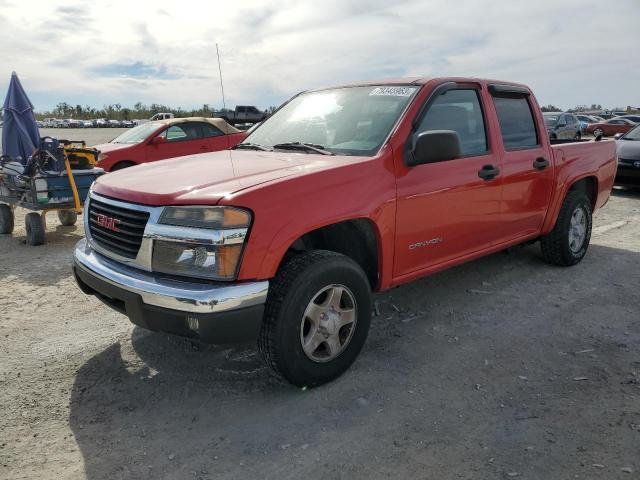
(99, 52)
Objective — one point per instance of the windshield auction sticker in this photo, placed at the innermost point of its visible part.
(393, 91)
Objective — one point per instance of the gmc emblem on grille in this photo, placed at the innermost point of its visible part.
(109, 223)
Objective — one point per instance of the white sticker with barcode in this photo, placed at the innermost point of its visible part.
(393, 91)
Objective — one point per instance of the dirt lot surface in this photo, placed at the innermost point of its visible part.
(502, 368)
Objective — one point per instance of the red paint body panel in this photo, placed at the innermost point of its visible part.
(291, 194)
(146, 151)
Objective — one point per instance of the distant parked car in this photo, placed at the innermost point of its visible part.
(610, 127)
(628, 146)
(633, 118)
(114, 123)
(101, 123)
(175, 137)
(87, 124)
(126, 123)
(562, 126)
(161, 116)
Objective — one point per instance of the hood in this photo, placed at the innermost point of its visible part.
(629, 149)
(110, 147)
(205, 178)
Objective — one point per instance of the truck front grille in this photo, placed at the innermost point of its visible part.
(117, 229)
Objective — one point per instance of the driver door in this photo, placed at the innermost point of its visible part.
(447, 210)
(180, 139)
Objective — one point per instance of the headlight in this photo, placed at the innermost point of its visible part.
(213, 262)
(205, 217)
(213, 243)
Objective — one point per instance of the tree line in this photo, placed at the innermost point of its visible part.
(116, 111)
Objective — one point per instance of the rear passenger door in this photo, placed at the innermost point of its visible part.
(527, 168)
(445, 210)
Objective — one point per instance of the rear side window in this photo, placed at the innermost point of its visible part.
(460, 111)
(517, 125)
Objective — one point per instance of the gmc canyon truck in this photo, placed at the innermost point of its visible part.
(343, 191)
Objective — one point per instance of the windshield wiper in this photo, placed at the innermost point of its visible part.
(251, 146)
(306, 147)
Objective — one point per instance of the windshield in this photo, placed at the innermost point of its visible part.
(137, 134)
(550, 120)
(633, 134)
(348, 121)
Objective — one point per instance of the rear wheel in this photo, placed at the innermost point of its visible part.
(316, 318)
(567, 243)
(35, 228)
(6, 219)
(67, 217)
(577, 136)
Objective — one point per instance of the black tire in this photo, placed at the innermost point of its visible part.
(6, 219)
(67, 217)
(577, 136)
(121, 165)
(556, 244)
(598, 132)
(293, 288)
(553, 136)
(35, 228)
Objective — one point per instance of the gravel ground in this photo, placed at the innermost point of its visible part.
(501, 368)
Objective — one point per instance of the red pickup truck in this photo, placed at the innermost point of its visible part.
(343, 191)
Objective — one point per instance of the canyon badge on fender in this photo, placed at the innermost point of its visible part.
(425, 243)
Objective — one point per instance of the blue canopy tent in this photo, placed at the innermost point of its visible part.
(20, 136)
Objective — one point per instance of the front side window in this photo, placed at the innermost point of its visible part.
(346, 121)
(460, 111)
(181, 132)
(517, 124)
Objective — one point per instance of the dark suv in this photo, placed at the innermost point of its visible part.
(562, 126)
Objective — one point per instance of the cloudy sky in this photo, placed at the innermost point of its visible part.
(97, 52)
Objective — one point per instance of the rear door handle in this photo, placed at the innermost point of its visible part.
(540, 163)
(488, 172)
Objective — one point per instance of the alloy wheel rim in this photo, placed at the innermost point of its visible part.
(577, 229)
(328, 323)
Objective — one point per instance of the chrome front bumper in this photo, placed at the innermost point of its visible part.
(160, 291)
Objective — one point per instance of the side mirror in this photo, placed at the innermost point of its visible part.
(618, 136)
(158, 140)
(434, 146)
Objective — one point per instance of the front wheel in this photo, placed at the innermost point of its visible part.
(316, 318)
(598, 132)
(567, 243)
(577, 136)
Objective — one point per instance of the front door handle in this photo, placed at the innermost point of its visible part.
(540, 163)
(488, 172)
